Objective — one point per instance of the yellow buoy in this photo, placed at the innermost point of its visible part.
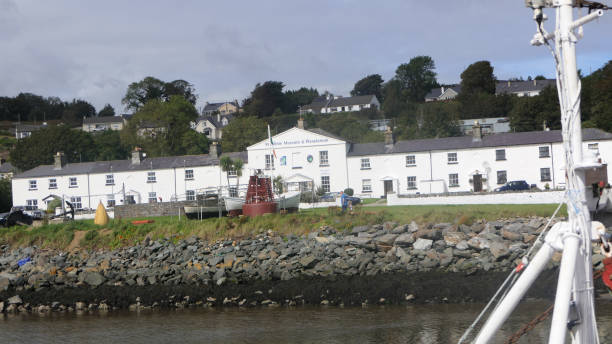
(101, 215)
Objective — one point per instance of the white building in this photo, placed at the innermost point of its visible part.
(95, 124)
(139, 180)
(310, 158)
(330, 104)
(491, 125)
(520, 88)
(212, 125)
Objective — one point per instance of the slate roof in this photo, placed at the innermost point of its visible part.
(213, 120)
(467, 142)
(126, 165)
(7, 168)
(211, 107)
(437, 92)
(321, 102)
(28, 127)
(523, 86)
(325, 133)
(104, 119)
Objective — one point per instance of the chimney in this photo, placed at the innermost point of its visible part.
(137, 156)
(441, 90)
(59, 161)
(389, 137)
(300, 123)
(215, 150)
(544, 127)
(508, 83)
(219, 117)
(476, 132)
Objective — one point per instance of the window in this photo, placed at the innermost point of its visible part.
(502, 177)
(411, 183)
(544, 152)
(32, 204)
(545, 174)
(233, 191)
(452, 158)
(323, 158)
(296, 160)
(366, 185)
(325, 183)
(110, 201)
(110, 179)
(453, 180)
(33, 185)
(129, 199)
(188, 174)
(410, 160)
(500, 154)
(52, 183)
(76, 203)
(232, 173)
(152, 197)
(190, 195)
(365, 164)
(269, 162)
(73, 182)
(151, 177)
(593, 146)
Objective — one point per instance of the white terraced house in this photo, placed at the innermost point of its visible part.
(307, 158)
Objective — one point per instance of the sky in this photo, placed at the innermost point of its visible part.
(93, 50)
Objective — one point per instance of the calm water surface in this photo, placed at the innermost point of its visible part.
(396, 324)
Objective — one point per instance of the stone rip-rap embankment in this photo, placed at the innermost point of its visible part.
(379, 264)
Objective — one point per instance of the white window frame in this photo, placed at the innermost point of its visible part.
(152, 197)
(52, 183)
(232, 173)
(452, 158)
(593, 146)
(545, 171)
(410, 160)
(453, 180)
(411, 183)
(110, 179)
(505, 179)
(296, 160)
(110, 201)
(326, 183)
(365, 164)
(32, 204)
(366, 185)
(76, 202)
(544, 151)
(269, 161)
(151, 178)
(73, 182)
(33, 185)
(190, 195)
(500, 154)
(188, 174)
(323, 158)
(232, 191)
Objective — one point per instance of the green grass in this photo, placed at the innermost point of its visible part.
(370, 200)
(120, 233)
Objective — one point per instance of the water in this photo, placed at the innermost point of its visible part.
(396, 324)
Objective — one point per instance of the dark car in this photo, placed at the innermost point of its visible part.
(515, 185)
(15, 217)
(354, 200)
(329, 196)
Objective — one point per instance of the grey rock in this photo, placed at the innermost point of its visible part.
(219, 274)
(402, 255)
(308, 261)
(93, 279)
(478, 243)
(360, 242)
(413, 227)
(386, 239)
(454, 238)
(404, 240)
(1, 306)
(462, 245)
(399, 229)
(422, 244)
(499, 250)
(221, 280)
(517, 227)
(360, 229)
(15, 300)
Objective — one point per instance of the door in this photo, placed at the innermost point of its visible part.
(388, 187)
(477, 182)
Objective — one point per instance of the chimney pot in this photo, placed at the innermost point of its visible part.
(476, 132)
(300, 123)
(215, 150)
(137, 156)
(59, 161)
(389, 137)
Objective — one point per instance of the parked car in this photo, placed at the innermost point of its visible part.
(329, 196)
(15, 217)
(354, 200)
(515, 185)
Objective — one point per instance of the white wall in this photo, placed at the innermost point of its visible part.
(549, 197)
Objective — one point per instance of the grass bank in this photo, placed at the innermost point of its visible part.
(121, 232)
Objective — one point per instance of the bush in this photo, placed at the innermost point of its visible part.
(308, 197)
(319, 191)
(348, 191)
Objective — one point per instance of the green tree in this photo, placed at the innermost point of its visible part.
(6, 198)
(371, 84)
(242, 132)
(417, 77)
(194, 143)
(597, 98)
(75, 111)
(150, 88)
(531, 113)
(227, 164)
(41, 146)
(107, 111)
(440, 119)
(478, 78)
(171, 119)
(294, 99)
(393, 103)
(264, 99)
(109, 146)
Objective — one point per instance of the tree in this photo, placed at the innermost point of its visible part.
(242, 132)
(439, 119)
(417, 77)
(109, 146)
(478, 78)
(42, 145)
(227, 164)
(150, 88)
(171, 119)
(75, 111)
(238, 167)
(294, 99)
(393, 103)
(194, 143)
(371, 84)
(531, 113)
(107, 111)
(6, 198)
(264, 99)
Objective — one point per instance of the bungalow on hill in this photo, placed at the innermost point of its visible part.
(529, 88)
(6, 169)
(94, 124)
(330, 104)
(24, 130)
(225, 108)
(212, 126)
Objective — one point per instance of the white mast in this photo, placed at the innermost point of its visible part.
(574, 302)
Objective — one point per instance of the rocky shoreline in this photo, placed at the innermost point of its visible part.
(388, 263)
